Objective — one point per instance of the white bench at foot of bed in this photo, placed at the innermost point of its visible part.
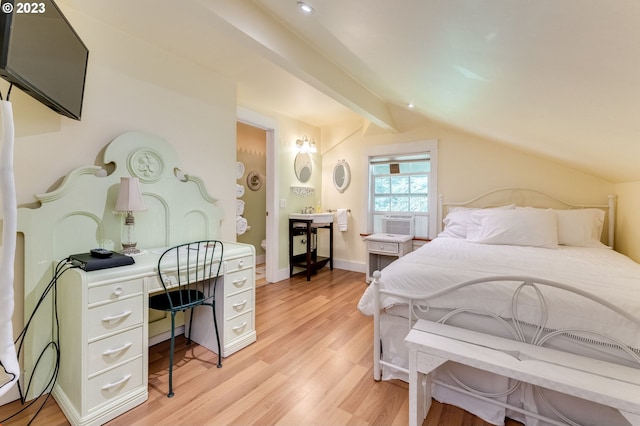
(432, 344)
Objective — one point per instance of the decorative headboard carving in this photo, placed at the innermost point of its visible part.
(78, 215)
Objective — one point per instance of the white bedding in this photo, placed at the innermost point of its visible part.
(447, 261)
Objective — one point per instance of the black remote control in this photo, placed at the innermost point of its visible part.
(101, 253)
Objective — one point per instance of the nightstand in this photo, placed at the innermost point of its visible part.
(382, 249)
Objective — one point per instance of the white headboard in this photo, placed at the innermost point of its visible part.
(78, 215)
(531, 198)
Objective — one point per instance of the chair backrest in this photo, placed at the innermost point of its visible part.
(193, 270)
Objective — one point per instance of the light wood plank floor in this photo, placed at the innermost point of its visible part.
(310, 365)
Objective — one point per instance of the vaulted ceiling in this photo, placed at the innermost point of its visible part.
(557, 78)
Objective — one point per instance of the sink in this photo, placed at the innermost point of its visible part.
(314, 217)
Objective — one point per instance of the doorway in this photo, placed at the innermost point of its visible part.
(251, 206)
(270, 127)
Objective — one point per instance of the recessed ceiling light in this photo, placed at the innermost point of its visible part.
(306, 8)
(410, 105)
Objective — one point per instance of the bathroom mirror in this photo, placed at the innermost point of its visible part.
(341, 176)
(302, 166)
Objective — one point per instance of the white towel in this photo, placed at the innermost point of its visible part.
(341, 218)
(241, 225)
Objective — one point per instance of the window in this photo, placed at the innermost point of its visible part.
(402, 185)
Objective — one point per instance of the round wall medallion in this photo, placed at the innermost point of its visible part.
(146, 165)
(254, 181)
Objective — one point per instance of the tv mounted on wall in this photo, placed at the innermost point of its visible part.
(41, 54)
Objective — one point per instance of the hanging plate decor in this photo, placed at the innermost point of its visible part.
(254, 181)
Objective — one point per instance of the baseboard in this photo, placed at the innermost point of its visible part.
(350, 266)
(283, 274)
(165, 336)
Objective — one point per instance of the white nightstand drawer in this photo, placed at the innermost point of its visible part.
(236, 282)
(238, 264)
(238, 326)
(383, 247)
(115, 291)
(114, 383)
(114, 316)
(238, 303)
(113, 350)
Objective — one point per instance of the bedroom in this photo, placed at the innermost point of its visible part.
(133, 84)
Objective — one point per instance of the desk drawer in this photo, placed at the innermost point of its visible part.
(114, 316)
(113, 350)
(238, 326)
(114, 291)
(236, 282)
(383, 247)
(114, 383)
(238, 264)
(238, 303)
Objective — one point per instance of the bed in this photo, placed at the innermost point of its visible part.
(569, 291)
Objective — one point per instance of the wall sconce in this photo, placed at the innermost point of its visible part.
(129, 201)
(305, 145)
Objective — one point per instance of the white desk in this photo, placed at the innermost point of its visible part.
(104, 330)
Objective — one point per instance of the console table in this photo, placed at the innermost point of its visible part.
(104, 330)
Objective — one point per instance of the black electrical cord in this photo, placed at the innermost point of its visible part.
(62, 266)
(9, 91)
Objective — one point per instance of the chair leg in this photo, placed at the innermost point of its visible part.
(215, 325)
(173, 343)
(190, 324)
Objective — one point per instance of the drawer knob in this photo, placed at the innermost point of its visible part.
(110, 352)
(118, 291)
(116, 384)
(240, 264)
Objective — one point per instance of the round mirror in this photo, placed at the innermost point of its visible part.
(302, 166)
(341, 176)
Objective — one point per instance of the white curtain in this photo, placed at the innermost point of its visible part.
(8, 357)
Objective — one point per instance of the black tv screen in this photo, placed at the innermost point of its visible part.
(42, 55)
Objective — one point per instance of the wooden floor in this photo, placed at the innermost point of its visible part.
(311, 364)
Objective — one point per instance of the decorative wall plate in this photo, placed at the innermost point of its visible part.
(254, 181)
(239, 170)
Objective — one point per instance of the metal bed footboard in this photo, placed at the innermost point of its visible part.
(540, 336)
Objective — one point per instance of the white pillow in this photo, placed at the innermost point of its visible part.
(581, 228)
(518, 227)
(456, 222)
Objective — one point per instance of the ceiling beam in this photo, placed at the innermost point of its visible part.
(286, 49)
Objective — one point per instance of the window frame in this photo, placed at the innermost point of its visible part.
(403, 149)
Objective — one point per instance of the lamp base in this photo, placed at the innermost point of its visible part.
(129, 249)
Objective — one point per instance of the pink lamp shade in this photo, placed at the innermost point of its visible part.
(129, 195)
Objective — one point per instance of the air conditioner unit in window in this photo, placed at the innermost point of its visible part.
(397, 224)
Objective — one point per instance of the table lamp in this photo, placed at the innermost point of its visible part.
(129, 201)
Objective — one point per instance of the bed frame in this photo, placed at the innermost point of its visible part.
(530, 335)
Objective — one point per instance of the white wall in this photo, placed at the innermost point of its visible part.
(468, 166)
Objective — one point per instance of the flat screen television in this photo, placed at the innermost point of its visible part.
(42, 54)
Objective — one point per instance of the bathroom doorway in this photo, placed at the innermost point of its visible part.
(251, 206)
(267, 129)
